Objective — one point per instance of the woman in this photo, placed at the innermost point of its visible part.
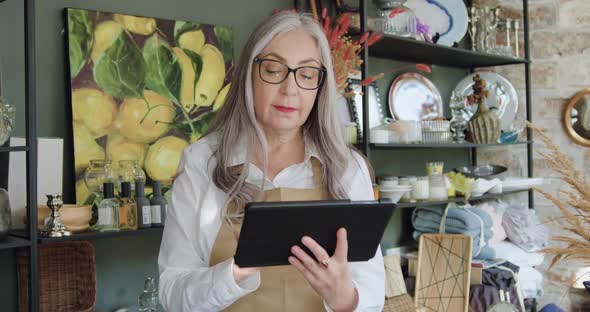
(277, 129)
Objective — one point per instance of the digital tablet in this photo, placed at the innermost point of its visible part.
(270, 229)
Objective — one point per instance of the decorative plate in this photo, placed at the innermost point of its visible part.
(414, 97)
(503, 96)
(447, 17)
(482, 171)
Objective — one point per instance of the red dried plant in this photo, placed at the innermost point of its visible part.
(345, 50)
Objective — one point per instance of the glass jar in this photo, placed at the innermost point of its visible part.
(351, 133)
(420, 189)
(98, 173)
(401, 21)
(5, 215)
(436, 180)
(406, 197)
(388, 181)
(435, 167)
(7, 119)
(130, 171)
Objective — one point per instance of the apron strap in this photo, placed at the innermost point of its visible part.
(318, 171)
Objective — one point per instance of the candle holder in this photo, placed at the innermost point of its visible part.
(54, 227)
(516, 40)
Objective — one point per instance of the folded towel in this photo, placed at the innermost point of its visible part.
(467, 217)
(496, 212)
(425, 223)
(511, 252)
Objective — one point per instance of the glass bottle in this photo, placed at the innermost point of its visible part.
(98, 173)
(130, 171)
(460, 119)
(7, 119)
(159, 205)
(144, 208)
(127, 208)
(148, 300)
(108, 209)
(5, 215)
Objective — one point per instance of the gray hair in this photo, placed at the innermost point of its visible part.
(236, 119)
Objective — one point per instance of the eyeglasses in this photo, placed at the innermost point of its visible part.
(275, 72)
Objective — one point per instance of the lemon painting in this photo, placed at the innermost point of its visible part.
(142, 88)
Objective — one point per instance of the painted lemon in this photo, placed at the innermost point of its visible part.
(105, 34)
(163, 157)
(85, 148)
(95, 109)
(192, 40)
(212, 76)
(142, 125)
(137, 25)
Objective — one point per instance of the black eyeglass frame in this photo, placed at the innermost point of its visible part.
(259, 60)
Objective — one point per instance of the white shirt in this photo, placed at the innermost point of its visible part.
(187, 282)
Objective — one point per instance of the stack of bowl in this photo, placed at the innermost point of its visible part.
(389, 188)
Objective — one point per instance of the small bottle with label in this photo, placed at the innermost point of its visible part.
(127, 209)
(159, 205)
(144, 208)
(108, 209)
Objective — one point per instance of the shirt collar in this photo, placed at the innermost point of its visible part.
(239, 155)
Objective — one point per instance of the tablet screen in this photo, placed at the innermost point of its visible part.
(270, 229)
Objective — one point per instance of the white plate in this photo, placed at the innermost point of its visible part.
(414, 97)
(503, 96)
(447, 17)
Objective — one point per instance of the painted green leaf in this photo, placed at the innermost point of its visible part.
(197, 63)
(162, 72)
(80, 38)
(182, 27)
(120, 70)
(201, 124)
(224, 37)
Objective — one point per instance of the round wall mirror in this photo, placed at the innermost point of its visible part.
(576, 117)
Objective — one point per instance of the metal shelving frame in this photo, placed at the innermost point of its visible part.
(408, 50)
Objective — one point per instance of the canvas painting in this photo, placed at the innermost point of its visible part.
(142, 89)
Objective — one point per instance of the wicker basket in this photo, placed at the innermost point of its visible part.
(67, 277)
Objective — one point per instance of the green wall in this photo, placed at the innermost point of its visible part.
(123, 263)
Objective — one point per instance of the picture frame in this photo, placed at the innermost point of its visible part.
(376, 113)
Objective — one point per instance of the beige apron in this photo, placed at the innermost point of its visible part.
(282, 288)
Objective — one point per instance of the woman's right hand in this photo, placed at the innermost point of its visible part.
(240, 274)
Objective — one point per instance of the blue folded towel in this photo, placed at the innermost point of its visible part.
(459, 220)
(431, 226)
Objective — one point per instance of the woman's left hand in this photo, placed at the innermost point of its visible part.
(330, 277)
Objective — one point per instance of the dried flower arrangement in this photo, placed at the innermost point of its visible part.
(345, 49)
(575, 206)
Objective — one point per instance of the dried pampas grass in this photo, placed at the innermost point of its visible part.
(575, 205)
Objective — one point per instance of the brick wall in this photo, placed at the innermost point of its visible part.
(560, 49)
